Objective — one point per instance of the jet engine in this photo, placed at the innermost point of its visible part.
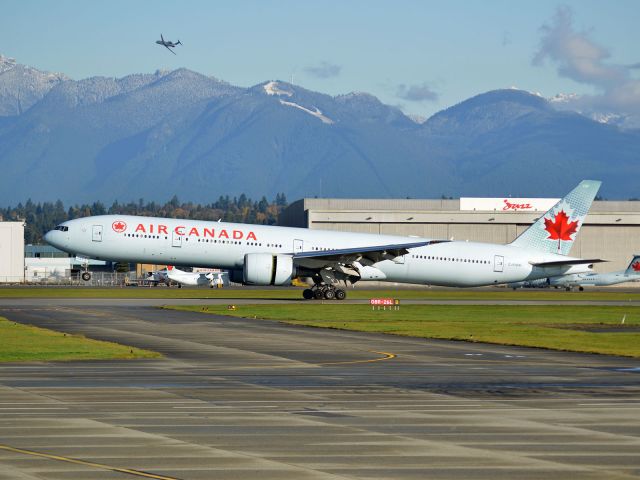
(268, 269)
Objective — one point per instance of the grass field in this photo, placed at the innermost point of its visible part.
(23, 343)
(570, 328)
(296, 293)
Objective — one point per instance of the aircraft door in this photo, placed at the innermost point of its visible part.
(298, 246)
(176, 240)
(96, 233)
(498, 263)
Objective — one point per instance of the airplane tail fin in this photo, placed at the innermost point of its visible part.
(178, 42)
(556, 230)
(634, 266)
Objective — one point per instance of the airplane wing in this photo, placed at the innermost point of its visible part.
(170, 50)
(573, 261)
(162, 38)
(373, 254)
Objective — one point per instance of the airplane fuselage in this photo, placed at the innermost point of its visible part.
(224, 245)
(594, 279)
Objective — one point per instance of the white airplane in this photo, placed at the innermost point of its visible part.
(272, 255)
(172, 274)
(592, 279)
(210, 279)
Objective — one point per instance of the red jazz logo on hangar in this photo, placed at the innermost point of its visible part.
(119, 226)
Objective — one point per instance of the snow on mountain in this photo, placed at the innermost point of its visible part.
(151, 135)
(6, 63)
(419, 119)
(22, 86)
(273, 88)
(316, 113)
(582, 105)
(563, 98)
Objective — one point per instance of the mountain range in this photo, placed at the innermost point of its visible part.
(180, 132)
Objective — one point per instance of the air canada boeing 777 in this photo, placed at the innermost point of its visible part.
(329, 260)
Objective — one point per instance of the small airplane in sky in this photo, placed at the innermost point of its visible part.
(168, 43)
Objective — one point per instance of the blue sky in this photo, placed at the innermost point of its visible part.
(421, 55)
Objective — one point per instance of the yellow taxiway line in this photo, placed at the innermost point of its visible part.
(101, 466)
(387, 356)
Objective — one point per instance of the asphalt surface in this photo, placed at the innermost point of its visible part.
(243, 399)
(159, 302)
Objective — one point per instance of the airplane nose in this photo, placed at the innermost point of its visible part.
(49, 237)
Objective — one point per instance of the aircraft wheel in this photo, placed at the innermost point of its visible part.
(307, 294)
(329, 294)
(340, 294)
(581, 289)
(318, 294)
(86, 276)
(568, 289)
(179, 285)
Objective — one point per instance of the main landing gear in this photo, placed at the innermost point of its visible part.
(326, 292)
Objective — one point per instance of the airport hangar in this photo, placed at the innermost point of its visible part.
(611, 231)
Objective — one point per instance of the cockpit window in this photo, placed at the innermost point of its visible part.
(62, 228)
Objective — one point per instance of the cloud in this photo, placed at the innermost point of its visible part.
(324, 70)
(416, 93)
(578, 57)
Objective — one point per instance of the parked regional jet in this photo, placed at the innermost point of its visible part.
(581, 280)
(210, 279)
(180, 277)
(271, 255)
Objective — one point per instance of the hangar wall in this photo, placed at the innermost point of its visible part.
(11, 252)
(611, 230)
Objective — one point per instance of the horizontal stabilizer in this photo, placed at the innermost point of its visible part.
(573, 261)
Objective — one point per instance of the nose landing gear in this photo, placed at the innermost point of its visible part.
(86, 274)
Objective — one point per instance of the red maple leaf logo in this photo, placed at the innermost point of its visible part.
(119, 226)
(636, 266)
(560, 228)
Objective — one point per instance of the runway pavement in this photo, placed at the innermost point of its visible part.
(243, 399)
(158, 302)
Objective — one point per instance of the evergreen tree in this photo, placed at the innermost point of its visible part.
(42, 217)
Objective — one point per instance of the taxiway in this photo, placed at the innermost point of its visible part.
(236, 398)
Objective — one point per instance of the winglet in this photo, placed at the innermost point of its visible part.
(556, 230)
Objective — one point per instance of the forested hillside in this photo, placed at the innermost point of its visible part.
(42, 217)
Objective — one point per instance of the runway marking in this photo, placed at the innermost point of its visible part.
(60, 458)
(387, 356)
(302, 363)
(34, 408)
